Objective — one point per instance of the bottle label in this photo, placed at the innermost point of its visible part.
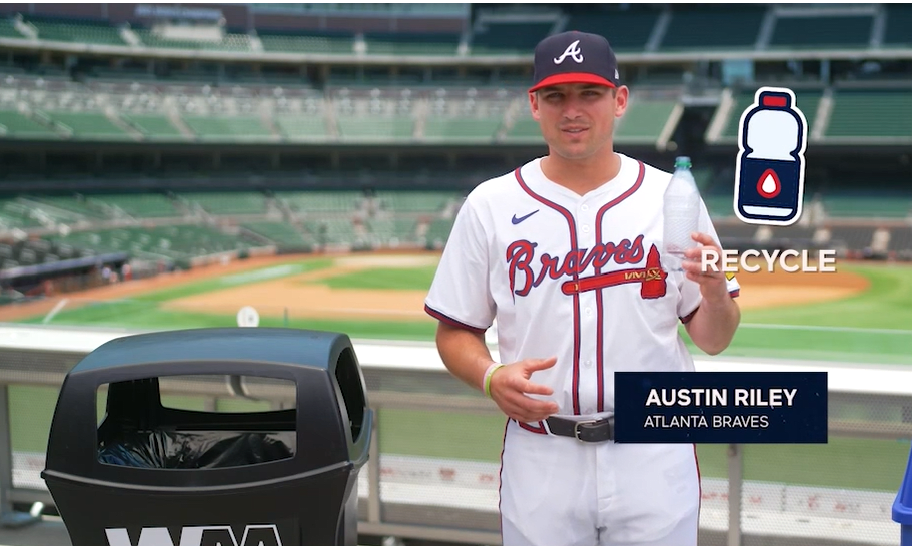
(769, 178)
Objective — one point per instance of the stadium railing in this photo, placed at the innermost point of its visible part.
(435, 497)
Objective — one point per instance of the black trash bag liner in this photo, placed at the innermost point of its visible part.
(169, 449)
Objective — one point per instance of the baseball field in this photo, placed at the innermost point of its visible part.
(860, 313)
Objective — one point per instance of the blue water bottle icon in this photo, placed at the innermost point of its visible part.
(769, 179)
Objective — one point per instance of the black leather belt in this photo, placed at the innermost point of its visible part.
(598, 430)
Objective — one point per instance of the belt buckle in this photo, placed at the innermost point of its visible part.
(576, 427)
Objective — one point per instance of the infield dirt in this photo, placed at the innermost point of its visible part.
(303, 296)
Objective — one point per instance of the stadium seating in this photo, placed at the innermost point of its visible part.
(231, 129)
(313, 42)
(517, 37)
(89, 125)
(81, 31)
(228, 202)
(154, 126)
(871, 114)
(719, 27)
(822, 31)
(898, 23)
(138, 205)
(17, 125)
(398, 43)
(627, 32)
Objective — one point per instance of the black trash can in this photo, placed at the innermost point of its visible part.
(142, 473)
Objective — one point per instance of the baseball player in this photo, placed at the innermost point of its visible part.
(565, 254)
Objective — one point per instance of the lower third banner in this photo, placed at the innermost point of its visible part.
(721, 407)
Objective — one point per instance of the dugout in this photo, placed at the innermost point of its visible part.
(125, 467)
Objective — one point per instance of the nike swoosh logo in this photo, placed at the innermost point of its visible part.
(521, 218)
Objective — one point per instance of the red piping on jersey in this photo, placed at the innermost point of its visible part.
(451, 321)
(526, 426)
(574, 246)
(600, 334)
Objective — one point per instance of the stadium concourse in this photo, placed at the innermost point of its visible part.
(141, 140)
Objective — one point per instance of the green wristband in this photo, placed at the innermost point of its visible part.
(487, 379)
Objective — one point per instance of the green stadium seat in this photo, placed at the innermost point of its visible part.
(8, 29)
(518, 37)
(718, 27)
(283, 234)
(461, 129)
(400, 43)
(139, 205)
(375, 128)
(326, 43)
(154, 126)
(320, 201)
(302, 128)
(90, 125)
(644, 121)
(899, 21)
(17, 125)
(414, 201)
(225, 128)
(89, 32)
(228, 202)
(626, 31)
(525, 129)
(865, 205)
(871, 114)
(822, 31)
(229, 42)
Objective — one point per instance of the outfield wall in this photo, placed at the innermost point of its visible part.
(443, 498)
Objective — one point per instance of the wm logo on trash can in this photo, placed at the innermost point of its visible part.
(204, 535)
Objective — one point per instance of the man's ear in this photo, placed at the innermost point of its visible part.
(533, 105)
(621, 95)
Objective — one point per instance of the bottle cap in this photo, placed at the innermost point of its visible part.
(682, 161)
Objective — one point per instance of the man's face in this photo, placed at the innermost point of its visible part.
(577, 120)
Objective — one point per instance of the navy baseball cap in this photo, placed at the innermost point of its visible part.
(574, 57)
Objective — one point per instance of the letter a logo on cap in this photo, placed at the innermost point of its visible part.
(572, 51)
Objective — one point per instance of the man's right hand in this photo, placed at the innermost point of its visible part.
(511, 383)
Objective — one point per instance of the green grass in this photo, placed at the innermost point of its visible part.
(273, 272)
(147, 315)
(417, 278)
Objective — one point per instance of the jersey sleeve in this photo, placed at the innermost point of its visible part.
(460, 292)
(690, 291)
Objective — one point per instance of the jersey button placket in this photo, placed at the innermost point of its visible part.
(588, 320)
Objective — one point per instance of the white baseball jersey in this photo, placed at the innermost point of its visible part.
(573, 276)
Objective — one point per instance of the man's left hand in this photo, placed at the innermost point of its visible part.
(711, 278)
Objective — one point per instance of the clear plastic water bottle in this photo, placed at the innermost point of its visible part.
(682, 214)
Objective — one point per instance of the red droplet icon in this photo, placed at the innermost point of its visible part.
(768, 185)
